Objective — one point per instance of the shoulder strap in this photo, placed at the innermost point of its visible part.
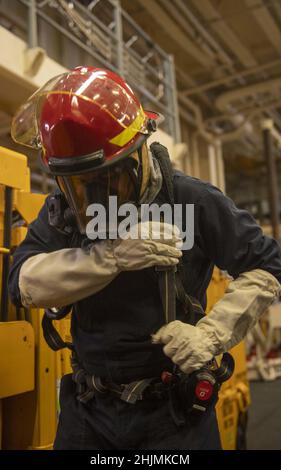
(162, 156)
(191, 306)
(166, 275)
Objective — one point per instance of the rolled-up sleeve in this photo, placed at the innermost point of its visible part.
(40, 238)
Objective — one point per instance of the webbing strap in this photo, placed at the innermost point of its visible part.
(192, 307)
(170, 282)
(133, 391)
(166, 283)
(88, 385)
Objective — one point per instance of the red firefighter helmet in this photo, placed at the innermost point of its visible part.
(89, 122)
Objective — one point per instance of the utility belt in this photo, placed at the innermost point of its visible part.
(186, 394)
(88, 386)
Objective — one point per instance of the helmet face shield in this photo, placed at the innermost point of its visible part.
(125, 180)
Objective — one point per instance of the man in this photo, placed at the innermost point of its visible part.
(92, 131)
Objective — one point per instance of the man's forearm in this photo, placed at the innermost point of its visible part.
(245, 300)
(62, 277)
(190, 347)
(66, 276)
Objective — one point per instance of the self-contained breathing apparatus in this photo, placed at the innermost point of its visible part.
(195, 392)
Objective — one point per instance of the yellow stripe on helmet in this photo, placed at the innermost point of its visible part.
(129, 133)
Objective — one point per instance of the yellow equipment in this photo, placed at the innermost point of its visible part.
(31, 371)
(27, 366)
(234, 397)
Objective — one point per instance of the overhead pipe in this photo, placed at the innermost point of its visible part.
(228, 97)
(209, 136)
(251, 114)
(226, 136)
(213, 139)
(229, 78)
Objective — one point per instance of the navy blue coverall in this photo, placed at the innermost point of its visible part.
(112, 329)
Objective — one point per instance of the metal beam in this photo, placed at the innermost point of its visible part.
(277, 8)
(172, 100)
(228, 37)
(119, 37)
(32, 39)
(266, 22)
(171, 29)
(174, 11)
(230, 78)
(182, 5)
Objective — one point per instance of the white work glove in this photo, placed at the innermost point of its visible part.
(246, 298)
(188, 346)
(148, 244)
(66, 276)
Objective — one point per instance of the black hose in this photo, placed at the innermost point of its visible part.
(226, 369)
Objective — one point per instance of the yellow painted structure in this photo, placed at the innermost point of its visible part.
(30, 419)
(234, 398)
(27, 365)
(14, 171)
(16, 358)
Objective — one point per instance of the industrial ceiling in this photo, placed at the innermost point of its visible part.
(228, 62)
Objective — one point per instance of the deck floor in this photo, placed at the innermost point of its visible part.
(264, 427)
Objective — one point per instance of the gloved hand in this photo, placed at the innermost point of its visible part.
(246, 298)
(148, 244)
(66, 276)
(189, 347)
